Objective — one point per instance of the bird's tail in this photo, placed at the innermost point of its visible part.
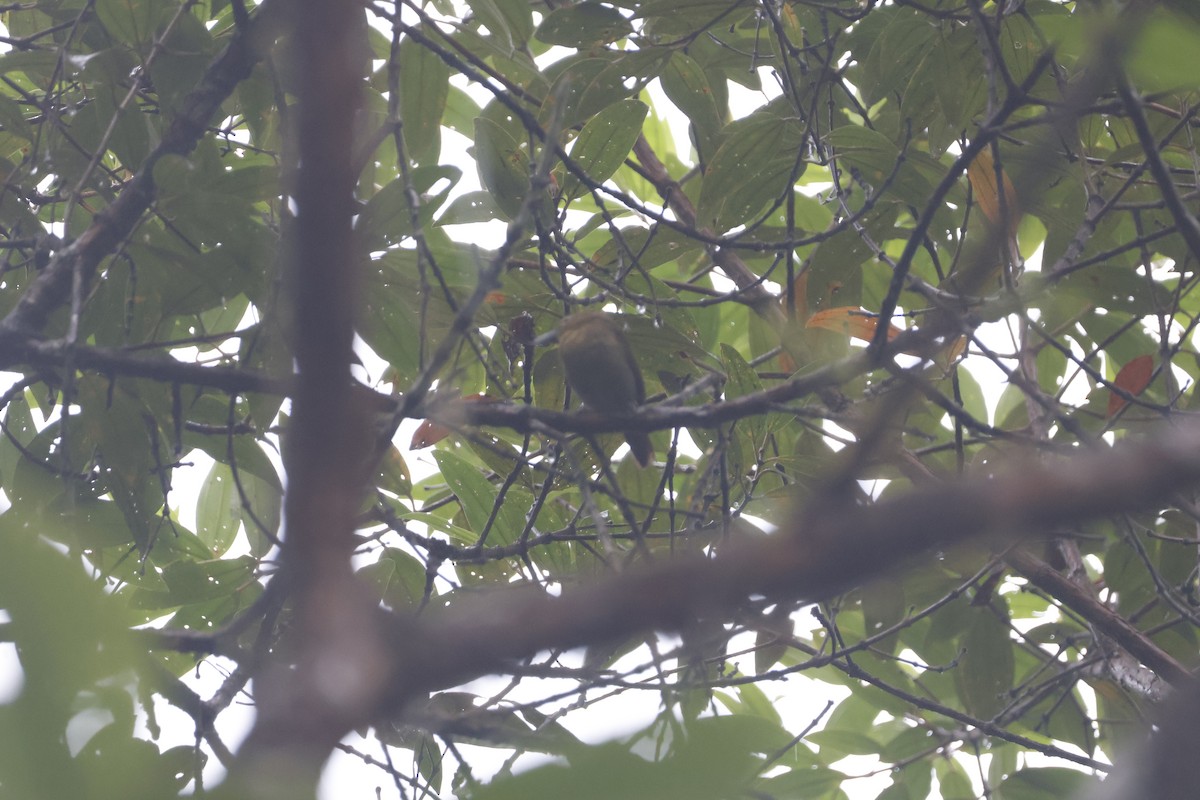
(642, 449)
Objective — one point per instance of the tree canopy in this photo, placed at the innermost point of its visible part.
(909, 285)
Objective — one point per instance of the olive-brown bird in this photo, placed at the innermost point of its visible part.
(601, 369)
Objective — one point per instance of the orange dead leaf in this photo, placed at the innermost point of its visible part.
(429, 432)
(956, 349)
(495, 298)
(787, 364)
(953, 352)
(1134, 377)
(981, 172)
(850, 320)
(800, 295)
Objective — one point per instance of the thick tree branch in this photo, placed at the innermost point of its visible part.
(333, 667)
(818, 557)
(1108, 622)
(1189, 227)
(45, 354)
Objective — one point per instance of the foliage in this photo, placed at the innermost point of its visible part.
(750, 187)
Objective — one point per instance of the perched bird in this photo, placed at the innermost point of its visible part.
(601, 369)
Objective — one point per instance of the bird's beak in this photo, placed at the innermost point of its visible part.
(546, 339)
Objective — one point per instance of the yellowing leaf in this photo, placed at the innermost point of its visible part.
(800, 296)
(791, 23)
(787, 364)
(953, 352)
(982, 174)
(850, 320)
(429, 432)
(1134, 377)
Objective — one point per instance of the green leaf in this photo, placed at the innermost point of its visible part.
(884, 605)
(70, 635)
(743, 380)
(129, 21)
(837, 743)
(908, 744)
(18, 423)
(503, 165)
(246, 455)
(648, 247)
(440, 525)
(687, 85)
(471, 207)
(953, 782)
(904, 37)
(424, 90)
(986, 670)
(181, 63)
(218, 509)
(12, 119)
(1166, 54)
(388, 216)
(1045, 783)
(586, 86)
(38, 65)
(397, 577)
(262, 512)
(263, 350)
(957, 75)
(586, 24)
(711, 762)
(876, 156)
(193, 582)
(751, 169)
(474, 492)
(813, 781)
(750, 699)
(604, 143)
(668, 18)
(510, 21)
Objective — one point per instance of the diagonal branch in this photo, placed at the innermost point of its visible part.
(1189, 227)
(1113, 625)
(110, 226)
(764, 303)
(818, 557)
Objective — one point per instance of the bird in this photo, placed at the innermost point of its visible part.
(601, 369)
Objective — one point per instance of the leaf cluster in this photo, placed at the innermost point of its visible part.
(864, 246)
